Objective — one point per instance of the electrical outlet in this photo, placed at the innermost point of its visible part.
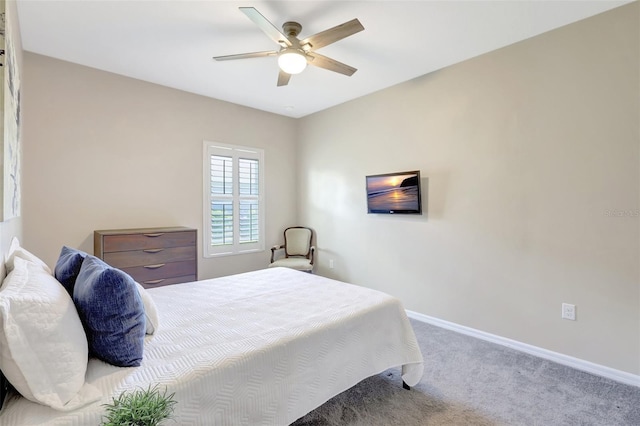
(569, 311)
(331, 264)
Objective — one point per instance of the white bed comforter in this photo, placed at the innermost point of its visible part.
(261, 348)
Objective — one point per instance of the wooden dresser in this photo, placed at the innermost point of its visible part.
(152, 256)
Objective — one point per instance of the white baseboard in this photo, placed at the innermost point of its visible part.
(578, 364)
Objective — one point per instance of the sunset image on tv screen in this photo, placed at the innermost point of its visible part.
(393, 193)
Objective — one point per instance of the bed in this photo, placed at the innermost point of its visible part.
(259, 348)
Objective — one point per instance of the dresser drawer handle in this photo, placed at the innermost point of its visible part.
(152, 250)
(153, 281)
(156, 266)
(154, 235)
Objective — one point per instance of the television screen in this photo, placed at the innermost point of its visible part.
(394, 193)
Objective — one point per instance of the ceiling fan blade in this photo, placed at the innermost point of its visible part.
(330, 64)
(334, 34)
(283, 78)
(246, 55)
(266, 26)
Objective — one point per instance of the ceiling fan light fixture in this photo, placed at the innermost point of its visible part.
(292, 61)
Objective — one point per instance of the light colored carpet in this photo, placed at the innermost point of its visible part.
(468, 381)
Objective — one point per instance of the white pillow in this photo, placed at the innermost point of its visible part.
(43, 347)
(16, 251)
(150, 311)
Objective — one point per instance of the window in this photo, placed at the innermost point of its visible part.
(233, 199)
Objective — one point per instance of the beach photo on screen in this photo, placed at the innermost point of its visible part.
(394, 193)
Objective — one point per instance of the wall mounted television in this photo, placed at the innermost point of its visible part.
(394, 193)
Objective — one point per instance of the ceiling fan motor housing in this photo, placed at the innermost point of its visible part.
(291, 29)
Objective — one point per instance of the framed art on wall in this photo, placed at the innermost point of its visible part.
(10, 95)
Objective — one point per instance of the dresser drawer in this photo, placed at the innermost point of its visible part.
(127, 259)
(161, 270)
(147, 240)
(168, 281)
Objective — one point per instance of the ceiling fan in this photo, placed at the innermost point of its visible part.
(294, 54)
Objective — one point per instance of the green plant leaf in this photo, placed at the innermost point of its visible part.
(139, 408)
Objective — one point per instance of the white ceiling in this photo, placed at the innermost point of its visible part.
(172, 42)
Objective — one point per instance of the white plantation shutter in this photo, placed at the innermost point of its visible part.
(249, 213)
(249, 176)
(234, 213)
(221, 223)
(249, 221)
(221, 172)
(221, 175)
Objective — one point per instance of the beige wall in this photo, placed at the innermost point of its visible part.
(525, 153)
(12, 227)
(103, 151)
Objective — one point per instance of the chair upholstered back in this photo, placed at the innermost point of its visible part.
(298, 250)
(297, 241)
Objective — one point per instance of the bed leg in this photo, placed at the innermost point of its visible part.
(405, 386)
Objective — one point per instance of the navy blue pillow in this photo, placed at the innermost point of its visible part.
(112, 313)
(68, 267)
